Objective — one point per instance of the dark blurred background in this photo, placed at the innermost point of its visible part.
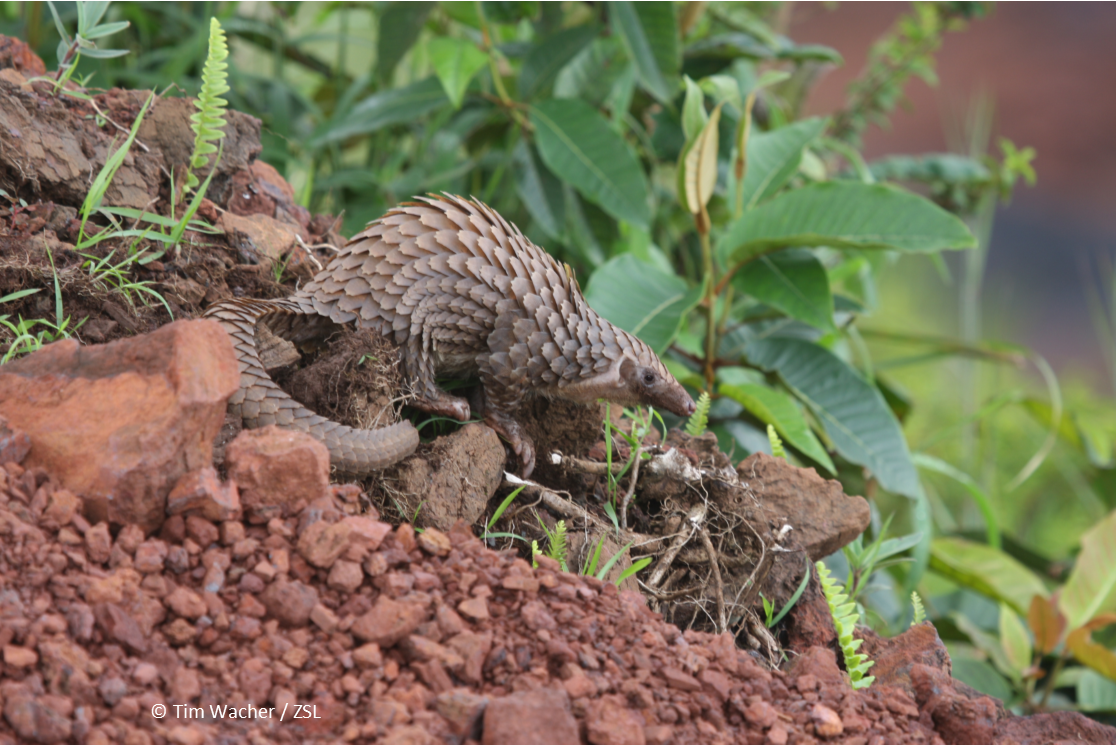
(1048, 71)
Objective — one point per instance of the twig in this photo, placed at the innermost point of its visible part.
(584, 466)
(103, 115)
(719, 590)
(695, 518)
(631, 489)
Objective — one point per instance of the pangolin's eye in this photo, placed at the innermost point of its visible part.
(649, 378)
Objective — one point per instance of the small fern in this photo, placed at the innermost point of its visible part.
(919, 613)
(534, 553)
(845, 620)
(776, 443)
(556, 543)
(696, 425)
(209, 119)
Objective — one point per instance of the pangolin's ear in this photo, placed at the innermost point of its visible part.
(629, 369)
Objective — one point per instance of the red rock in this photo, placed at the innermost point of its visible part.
(324, 618)
(18, 657)
(150, 556)
(321, 544)
(180, 632)
(716, 683)
(824, 518)
(535, 613)
(422, 648)
(119, 627)
(98, 542)
(201, 493)
(120, 423)
(520, 583)
(61, 508)
(579, 686)
(433, 541)
(761, 714)
(290, 602)
(679, 679)
(345, 576)
(474, 608)
(368, 656)
(14, 443)
(201, 531)
(389, 621)
(255, 680)
(277, 470)
(610, 721)
(463, 710)
(365, 535)
(35, 721)
(473, 648)
(822, 665)
(531, 717)
(827, 724)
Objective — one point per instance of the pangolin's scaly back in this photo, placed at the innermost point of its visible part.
(454, 270)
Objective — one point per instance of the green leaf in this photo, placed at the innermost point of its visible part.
(694, 110)
(773, 158)
(107, 29)
(580, 147)
(650, 34)
(779, 410)
(1095, 693)
(384, 109)
(546, 58)
(986, 570)
(1014, 641)
(398, 28)
(793, 281)
(641, 299)
(540, 192)
(992, 528)
(854, 414)
(981, 676)
(700, 165)
(844, 215)
(455, 62)
(1093, 576)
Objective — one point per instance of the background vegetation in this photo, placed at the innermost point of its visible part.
(660, 150)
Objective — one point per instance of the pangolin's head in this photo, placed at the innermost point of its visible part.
(644, 379)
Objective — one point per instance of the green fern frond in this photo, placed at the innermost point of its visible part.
(919, 613)
(696, 425)
(534, 552)
(209, 119)
(776, 443)
(556, 546)
(845, 621)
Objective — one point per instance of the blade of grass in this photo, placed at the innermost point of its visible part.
(992, 529)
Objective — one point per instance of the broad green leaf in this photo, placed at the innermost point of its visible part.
(1095, 693)
(540, 192)
(399, 25)
(844, 215)
(593, 72)
(793, 281)
(701, 165)
(776, 408)
(984, 641)
(854, 414)
(641, 299)
(546, 58)
(988, 571)
(773, 158)
(580, 147)
(981, 676)
(1093, 576)
(384, 109)
(455, 62)
(650, 34)
(694, 110)
(1014, 641)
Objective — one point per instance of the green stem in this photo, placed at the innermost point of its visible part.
(711, 303)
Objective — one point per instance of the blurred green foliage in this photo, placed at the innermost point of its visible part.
(661, 150)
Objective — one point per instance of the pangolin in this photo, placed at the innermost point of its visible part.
(463, 293)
